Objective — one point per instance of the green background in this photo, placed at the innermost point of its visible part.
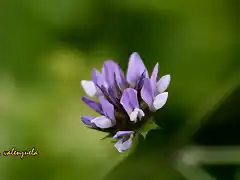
(48, 46)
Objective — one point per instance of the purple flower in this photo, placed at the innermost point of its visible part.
(104, 108)
(125, 104)
(124, 140)
(153, 91)
(130, 103)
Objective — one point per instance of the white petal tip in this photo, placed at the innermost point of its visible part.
(160, 100)
(163, 83)
(135, 54)
(168, 76)
(133, 116)
(102, 122)
(137, 113)
(119, 150)
(89, 87)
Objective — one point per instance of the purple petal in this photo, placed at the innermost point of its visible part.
(112, 71)
(122, 133)
(95, 75)
(141, 80)
(108, 92)
(135, 69)
(119, 76)
(121, 81)
(124, 143)
(87, 120)
(129, 100)
(93, 104)
(154, 78)
(147, 93)
(101, 81)
(108, 70)
(112, 95)
(108, 108)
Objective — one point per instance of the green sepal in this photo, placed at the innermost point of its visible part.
(107, 136)
(150, 125)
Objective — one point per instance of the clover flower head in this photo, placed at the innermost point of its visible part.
(125, 104)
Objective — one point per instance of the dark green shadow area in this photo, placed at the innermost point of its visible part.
(222, 130)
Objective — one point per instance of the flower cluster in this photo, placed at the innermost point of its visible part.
(125, 104)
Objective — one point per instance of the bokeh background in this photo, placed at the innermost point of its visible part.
(48, 46)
